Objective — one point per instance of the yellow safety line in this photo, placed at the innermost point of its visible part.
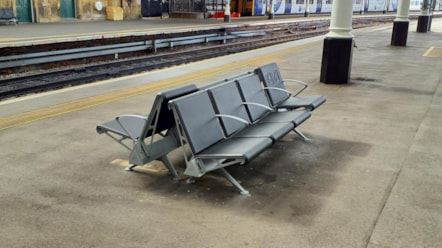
(428, 51)
(434, 52)
(56, 110)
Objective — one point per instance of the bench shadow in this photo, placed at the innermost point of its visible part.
(289, 181)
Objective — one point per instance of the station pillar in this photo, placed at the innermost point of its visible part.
(385, 6)
(227, 11)
(338, 45)
(361, 11)
(400, 24)
(307, 8)
(423, 21)
(272, 10)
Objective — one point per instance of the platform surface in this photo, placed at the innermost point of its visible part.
(370, 176)
(75, 30)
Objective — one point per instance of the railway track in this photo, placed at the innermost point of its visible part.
(164, 52)
(26, 84)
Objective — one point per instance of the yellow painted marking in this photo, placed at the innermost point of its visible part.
(150, 168)
(56, 110)
(435, 52)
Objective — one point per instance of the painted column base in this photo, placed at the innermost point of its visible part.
(336, 60)
(306, 14)
(423, 24)
(429, 25)
(399, 34)
(226, 18)
(271, 16)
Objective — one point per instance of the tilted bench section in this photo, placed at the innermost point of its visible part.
(199, 128)
(281, 98)
(260, 111)
(158, 128)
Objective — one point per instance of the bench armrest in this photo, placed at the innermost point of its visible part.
(246, 123)
(234, 118)
(305, 85)
(258, 104)
(279, 89)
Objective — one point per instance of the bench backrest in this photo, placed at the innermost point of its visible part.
(251, 91)
(196, 117)
(6, 14)
(271, 77)
(227, 100)
(213, 84)
(161, 117)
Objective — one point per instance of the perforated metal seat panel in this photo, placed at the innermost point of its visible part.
(309, 102)
(198, 120)
(271, 77)
(227, 100)
(295, 116)
(246, 148)
(133, 127)
(252, 92)
(275, 130)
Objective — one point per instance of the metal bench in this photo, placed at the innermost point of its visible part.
(281, 98)
(205, 146)
(158, 129)
(213, 84)
(259, 108)
(8, 17)
(234, 119)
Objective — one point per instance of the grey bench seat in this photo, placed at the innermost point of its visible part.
(200, 130)
(7, 16)
(227, 101)
(259, 108)
(153, 136)
(279, 96)
(127, 126)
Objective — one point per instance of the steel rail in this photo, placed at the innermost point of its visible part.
(87, 52)
(86, 74)
(11, 87)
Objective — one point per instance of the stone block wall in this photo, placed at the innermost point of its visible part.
(47, 10)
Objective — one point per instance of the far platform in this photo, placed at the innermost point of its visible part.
(370, 176)
(76, 30)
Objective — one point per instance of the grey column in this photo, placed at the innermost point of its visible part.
(338, 45)
(307, 8)
(227, 11)
(423, 21)
(362, 7)
(400, 24)
(271, 10)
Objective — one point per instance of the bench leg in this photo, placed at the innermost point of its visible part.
(169, 166)
(130, 167)
(301, 134)
(166, 162)
(232, 180)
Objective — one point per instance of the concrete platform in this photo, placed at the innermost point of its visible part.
(76, 30)
(47, 33)
(370, 176)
